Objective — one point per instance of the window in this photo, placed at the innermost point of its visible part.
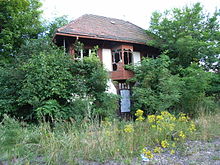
(82, 53)
(124, 56)
(116, 58)
(127, 56)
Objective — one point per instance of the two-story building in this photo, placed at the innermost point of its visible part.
(120, 43)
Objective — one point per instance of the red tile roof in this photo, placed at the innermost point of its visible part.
(93, 26)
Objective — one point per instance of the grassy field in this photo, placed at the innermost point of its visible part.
(67, 142)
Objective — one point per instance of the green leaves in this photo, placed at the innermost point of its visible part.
(19, 21)
(49, 84)
(189, 34)
(157, 89)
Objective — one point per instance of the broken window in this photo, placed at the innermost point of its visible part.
(119, 55)
(127, 56)
(79, 54)
(116, 58)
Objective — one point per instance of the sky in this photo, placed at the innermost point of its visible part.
(136, 11)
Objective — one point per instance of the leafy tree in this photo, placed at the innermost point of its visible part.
(189, 34)
(196, 83)
(52, 85)
(19, 21)
(54, 24)
(156, 88)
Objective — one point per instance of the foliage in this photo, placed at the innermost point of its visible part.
(214, 86)
(19, 21)
(169, 131)
(54, 24)
(10, 84)
(156, 88)
(93, 141)
(196, 83)
(189, 34)
(53, 86)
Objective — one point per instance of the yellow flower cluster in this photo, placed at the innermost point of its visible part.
(147, 153)
(139, 114)
(151, 118)
(129, 128)
(158, 149)
(183, 117)
(168, 129)
(164, 144)
(182, 135)
(167, 116)
(172, 151)
(159, 117)
(192, 127)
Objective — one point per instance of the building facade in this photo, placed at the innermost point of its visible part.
(119, 43)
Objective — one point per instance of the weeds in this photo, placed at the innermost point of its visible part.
(67, 142)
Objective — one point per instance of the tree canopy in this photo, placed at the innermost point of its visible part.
(188, 35)
(19, 21)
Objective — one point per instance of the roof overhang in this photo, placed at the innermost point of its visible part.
(95, 37)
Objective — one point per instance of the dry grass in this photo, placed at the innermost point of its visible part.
(208, 126)
(66, 142)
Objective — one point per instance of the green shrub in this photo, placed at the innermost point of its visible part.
(156, 88)
(196, 83)
(51, 85)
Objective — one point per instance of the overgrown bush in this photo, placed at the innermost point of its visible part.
(156, 88)
(53, 86)
(194, 90)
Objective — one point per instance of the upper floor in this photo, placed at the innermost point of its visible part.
(119, 42)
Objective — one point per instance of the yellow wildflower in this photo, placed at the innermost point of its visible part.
(159, 117)
(172, 118)
(164, 144)
(172, 151)
(139, 113)
(165, 113)
(153, 126)
(182, 135)
(171, 126)
(129, 128)
(151, 118)
(158, 150)
(140, 118)
(148, 153)
(183, 117)
(192, 127)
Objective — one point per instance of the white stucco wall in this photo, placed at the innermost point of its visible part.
(111, 88)
(136, 58)
(107, 59)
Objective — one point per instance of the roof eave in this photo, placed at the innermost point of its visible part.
(95, 37)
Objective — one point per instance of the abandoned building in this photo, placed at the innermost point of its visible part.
(119, 43)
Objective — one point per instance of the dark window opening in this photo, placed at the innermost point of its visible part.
(79, 54)
(119, 55)
(86, 52)
(114, 67)
(127, 57)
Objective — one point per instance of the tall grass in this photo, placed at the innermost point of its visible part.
(68, 142)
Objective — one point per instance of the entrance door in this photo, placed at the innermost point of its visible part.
(125, 100)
